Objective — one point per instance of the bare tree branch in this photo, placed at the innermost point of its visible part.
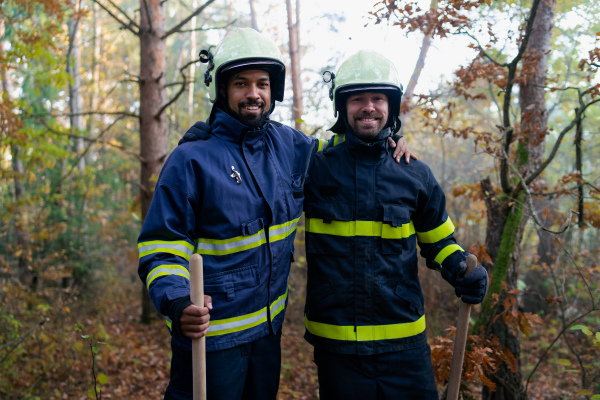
(512, 71)
(14, 343)
(120, 21)
(148, 15)
(214, 28)
(132, 22)
(485, 54)
(529, 200)
(175, 29)
(578, 115)
(182, 89)
(117, 113)
(94, 140)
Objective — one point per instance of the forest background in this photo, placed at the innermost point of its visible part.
(501, 101)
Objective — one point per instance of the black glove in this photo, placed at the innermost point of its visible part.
(472, 287)
(199, 131)
(175, 310)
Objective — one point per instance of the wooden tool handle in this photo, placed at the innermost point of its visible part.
(460, 342)
(198, 345)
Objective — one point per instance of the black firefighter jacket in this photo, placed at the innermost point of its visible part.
(365, 214)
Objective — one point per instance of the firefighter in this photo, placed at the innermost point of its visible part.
(232, 191)
(364, 216)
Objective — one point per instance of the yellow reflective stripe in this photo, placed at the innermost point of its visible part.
(218, 247)
(435, 235)
(360, 228)
(337, 139)
(167, 269)
(365, 333)
(243, 322)
(322, 144)
(179, 248)
(446, 251)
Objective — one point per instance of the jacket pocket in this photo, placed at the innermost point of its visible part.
(395, 216)
(228, 282)
(329, 228)
(252, 227)
(414, 300)
(297, 186)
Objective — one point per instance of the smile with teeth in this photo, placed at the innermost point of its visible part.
(252, 107)
(368, 120)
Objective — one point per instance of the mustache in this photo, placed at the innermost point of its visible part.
(369, 115)
(251, 103)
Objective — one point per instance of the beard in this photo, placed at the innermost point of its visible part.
(253, 121)
(368, 135)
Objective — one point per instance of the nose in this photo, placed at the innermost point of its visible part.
(369, 106)
(252, 92)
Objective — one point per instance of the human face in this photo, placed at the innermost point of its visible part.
(249, 96)
(367, 114)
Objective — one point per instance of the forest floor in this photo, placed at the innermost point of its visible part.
(54, 360)
(136, 358)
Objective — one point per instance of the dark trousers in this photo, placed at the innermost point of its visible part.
(406, 375)
(246, 372)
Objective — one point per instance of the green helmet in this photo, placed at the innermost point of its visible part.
(366, 70)
(244, 49)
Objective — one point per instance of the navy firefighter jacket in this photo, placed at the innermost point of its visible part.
(365, 214)
(231, 199)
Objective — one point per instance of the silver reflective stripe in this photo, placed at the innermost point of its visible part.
(169, 269)
(243, 322)
(236, 324)
(232, 245)
(158, 246)
(218, 247)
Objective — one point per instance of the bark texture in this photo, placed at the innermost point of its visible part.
(294, 45)
(153, 121)
(529, 153)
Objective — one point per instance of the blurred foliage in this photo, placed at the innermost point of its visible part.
(67, 235)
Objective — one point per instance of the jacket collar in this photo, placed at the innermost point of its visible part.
(225, 127)
(358, 149)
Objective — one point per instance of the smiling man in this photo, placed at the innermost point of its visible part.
(232, 191)
(364, 311)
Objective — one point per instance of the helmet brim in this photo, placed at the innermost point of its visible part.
(275, 68)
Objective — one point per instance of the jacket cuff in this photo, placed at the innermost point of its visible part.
(175, 311)
(454, 266)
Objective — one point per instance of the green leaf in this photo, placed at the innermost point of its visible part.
(578, 327)
(95, 350)
(85, 336)
(583, 329)
(563, 361)
(91, 393)
(103, 379)
(584, 392)
(596, 397)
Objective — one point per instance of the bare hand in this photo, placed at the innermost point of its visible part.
(401, 148)
(195, 320)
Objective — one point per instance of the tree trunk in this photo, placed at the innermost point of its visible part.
(414, 78)
(530, 149)
(73, 69)
(294, 45)
(153, 121)
(193, 56)
(21, 236)
(253, 15)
